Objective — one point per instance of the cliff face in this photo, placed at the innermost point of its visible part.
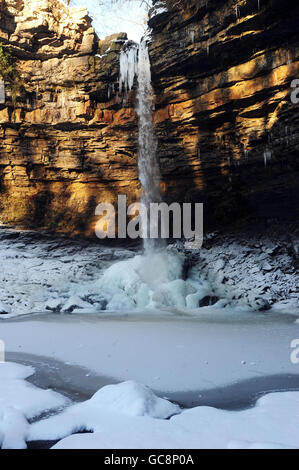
(68, 141)
(228, 131)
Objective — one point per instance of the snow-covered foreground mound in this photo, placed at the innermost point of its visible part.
(128, 398)
(123, 416)
(130, 415)
(19, 401)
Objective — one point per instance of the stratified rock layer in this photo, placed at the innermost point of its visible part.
(69, 141)
(228, 131)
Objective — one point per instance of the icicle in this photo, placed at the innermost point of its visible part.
(267, 157)
(2, 92)
(191, 34)
(128, 69)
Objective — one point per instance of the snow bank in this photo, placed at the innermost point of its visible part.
(133, 399)
(20, 400)
(50, 274)
(273, 423)
(41, 274)
(128, 398)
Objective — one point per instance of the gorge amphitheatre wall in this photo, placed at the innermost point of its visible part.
(222, 73)
(228, 131)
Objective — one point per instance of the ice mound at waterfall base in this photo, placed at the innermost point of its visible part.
(152, 280)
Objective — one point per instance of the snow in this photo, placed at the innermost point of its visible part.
(135, 318)
(128, 398)
(4, 308)
(169, 354)
(272, 423)
(19, 401)
(159, 9)
(75, 303)
(41, 274)
(133, 399)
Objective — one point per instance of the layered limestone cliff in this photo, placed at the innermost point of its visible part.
(227, 129)
(68, 140)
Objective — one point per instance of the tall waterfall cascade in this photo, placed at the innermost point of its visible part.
(136, 62)
(153, 280)
(148, 165)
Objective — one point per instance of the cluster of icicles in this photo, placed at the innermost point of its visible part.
(128, 63)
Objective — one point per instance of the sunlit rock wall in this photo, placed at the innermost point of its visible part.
(68, 142)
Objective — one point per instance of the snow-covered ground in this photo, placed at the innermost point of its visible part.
(170, 354)
(130, 415)
(40, 274)
(138, 320)
(167, 353)
(272, 424)
(19, 401)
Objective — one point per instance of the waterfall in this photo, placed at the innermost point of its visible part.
(155, 279)
(135, 61)
(148, 165)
